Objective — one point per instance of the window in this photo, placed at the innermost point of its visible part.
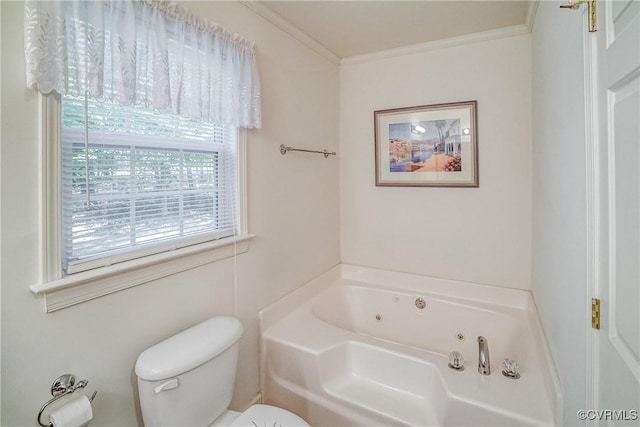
(131, 195)
(137, 182)
(191, 211)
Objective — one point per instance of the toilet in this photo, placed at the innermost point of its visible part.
(188, 379)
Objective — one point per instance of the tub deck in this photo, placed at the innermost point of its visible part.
(328, 358)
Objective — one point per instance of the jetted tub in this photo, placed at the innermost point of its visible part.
(351, 348)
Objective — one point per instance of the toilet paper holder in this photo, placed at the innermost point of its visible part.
(62, 386)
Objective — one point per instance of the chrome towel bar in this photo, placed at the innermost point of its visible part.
(284, 149)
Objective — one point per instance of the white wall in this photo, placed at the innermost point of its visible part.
(480, 234)
(293, 209)
(559, 223)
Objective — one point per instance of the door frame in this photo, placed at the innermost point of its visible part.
(593, 169)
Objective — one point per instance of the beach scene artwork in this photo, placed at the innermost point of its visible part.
(426, 146)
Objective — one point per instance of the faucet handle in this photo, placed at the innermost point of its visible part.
(456, 361)
(510, 369)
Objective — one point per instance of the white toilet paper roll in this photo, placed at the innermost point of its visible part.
(76, 413)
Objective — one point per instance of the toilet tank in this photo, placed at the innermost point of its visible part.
(188, 379)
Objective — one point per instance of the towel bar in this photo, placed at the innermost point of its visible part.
(284, 149)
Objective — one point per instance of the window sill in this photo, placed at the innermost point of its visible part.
(85, 286)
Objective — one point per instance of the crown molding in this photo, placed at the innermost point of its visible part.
(290, 29)
(294, 32)
(530, 17)
(484, 36)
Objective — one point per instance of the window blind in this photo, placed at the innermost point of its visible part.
(137, 182)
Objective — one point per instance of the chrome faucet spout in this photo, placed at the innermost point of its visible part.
(484, 365)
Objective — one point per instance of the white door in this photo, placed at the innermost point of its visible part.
(618, 283)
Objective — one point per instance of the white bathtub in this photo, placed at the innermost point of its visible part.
(351, 348)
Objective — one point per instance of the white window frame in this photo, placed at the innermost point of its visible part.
(60, 292)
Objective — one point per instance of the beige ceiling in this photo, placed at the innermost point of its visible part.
(350, 28)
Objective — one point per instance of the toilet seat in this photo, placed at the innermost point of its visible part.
(267, 415)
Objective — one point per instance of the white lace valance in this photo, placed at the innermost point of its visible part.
(153, 53)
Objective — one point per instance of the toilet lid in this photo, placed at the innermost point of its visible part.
(269, 416)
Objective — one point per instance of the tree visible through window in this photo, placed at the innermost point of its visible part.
(136, 182)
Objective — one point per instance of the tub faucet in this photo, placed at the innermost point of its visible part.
(484, 365)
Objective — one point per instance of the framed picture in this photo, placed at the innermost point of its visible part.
(427, 146)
